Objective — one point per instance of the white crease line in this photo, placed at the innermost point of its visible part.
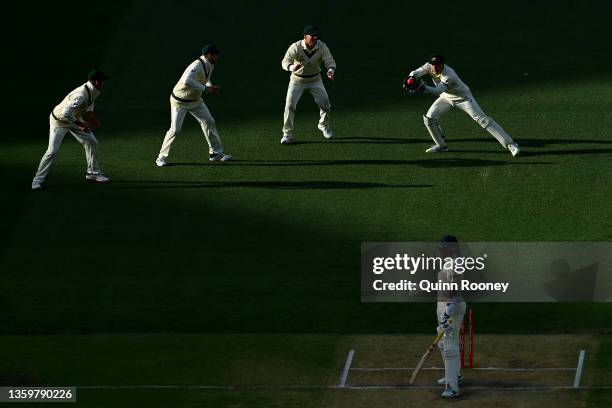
(477, 369)
(579, 368)
(324, 387)
(347, 367)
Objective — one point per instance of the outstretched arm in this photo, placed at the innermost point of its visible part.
(421, 71)
(328, 59)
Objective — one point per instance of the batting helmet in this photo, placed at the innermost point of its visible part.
(449, 246)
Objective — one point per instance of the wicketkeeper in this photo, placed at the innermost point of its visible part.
(303, 59)
(75, 115)
(186, 98)
(451, 93)
(450, 312)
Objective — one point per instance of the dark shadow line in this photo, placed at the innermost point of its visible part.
(566, 152)
(280, 185)
(362, 140)
(537, 153)
(433, 162)
(533, 142)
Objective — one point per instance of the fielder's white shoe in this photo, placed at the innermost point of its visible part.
(97, 177)
(286, 139)
(219, 157)
(160, 161)
(36, 185)
(448, 393)
(327, 132)
(514, 149)
(442, 381)
(437, 149)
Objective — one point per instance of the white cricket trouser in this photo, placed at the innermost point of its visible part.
(449, 345)
(294, 93)
(204, 118)
(56, 136)
(471, 107)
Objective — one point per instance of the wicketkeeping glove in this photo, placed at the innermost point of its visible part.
(412, 85)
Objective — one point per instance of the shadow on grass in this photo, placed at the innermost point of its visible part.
(281, 185)
(443, 162)
(363, 140)
(530, 142)
(544, 152)
(570, 152)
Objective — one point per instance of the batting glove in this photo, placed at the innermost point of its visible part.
(445, 325)
(450, 309)
(446, 328)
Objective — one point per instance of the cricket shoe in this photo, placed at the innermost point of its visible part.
(442, 381)
(219, 157)
(514, 149)
(97, 177)
(327, 132)
(449, 393)
(160, 161)
(286, 139)
(36, 185)
(437, 149)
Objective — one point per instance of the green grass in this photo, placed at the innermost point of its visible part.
(298, 370)
(200, 247)
(269, 243)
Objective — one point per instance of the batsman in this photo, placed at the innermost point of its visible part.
(450, 312)
(451, 92)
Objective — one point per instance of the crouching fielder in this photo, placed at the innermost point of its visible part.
(450, 313)
(303, 59)
(186, 98)
(75, 115)
(453, 93)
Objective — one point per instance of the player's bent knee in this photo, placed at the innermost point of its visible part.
(483, 121)
(429, 121)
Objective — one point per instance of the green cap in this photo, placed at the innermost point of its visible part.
(97, 75)
(211, 49)
(437, 59)
(311, 30)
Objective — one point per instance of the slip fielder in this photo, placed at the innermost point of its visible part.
(75, 115)
(186, 98)
(303, 59)
(452, 92)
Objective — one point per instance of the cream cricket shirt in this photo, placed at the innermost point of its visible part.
(311, 58)
(448, 82)
(187, 92)
(74, 105)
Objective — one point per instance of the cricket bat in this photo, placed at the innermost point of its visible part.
(423, 360)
